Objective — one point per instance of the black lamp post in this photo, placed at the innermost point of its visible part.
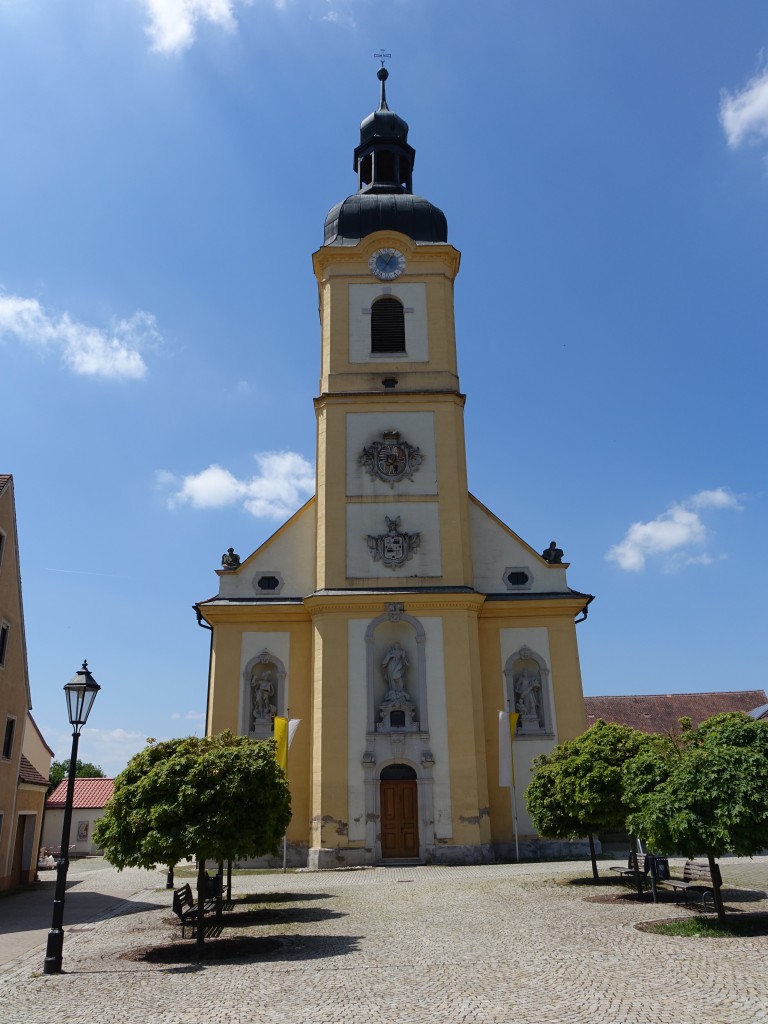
(80, 692)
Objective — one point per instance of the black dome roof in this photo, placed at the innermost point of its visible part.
(366, 212)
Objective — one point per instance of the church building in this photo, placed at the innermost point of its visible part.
(394, 614)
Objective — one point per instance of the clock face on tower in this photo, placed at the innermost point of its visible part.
(386, 264)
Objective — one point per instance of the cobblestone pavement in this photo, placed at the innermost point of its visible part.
(500, 944)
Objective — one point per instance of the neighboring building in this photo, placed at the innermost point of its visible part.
(88, 802)
(36, 750)
(662, 712)
(394, 614)
(23, 781)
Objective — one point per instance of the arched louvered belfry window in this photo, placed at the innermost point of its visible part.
(387, 325)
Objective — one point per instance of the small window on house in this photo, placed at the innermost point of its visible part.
(387, 325)
(4, 631)
(10, 728)
(268, 583)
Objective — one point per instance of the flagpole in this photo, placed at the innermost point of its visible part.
(512, 787)
(285, 834)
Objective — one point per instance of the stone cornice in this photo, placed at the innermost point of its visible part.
(415, 397)
(414, 603)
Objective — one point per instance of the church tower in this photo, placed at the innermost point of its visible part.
(394, 614)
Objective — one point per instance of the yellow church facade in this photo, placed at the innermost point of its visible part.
(395, 615)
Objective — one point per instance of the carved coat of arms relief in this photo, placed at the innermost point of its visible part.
(394, 547)
(391, 459)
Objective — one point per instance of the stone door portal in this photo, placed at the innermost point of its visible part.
(399, 813)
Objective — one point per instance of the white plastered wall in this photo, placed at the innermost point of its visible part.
(416, 428)
(438, 727)
(494, 549)
(289, 554)
(414, 300)
(370, 520)
(278, 644)
(525, 748)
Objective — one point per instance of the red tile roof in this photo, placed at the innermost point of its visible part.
(89, 793)
(28, 773)
(662, 712)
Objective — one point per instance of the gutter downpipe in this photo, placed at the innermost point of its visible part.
(204, 625)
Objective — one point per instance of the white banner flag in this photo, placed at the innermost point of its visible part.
(505, 751)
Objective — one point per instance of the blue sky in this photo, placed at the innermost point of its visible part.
(604, 170)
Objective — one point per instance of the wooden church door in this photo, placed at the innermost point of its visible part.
(399, 813)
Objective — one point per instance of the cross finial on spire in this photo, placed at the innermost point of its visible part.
(382, 74)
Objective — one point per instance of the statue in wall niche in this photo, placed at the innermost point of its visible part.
(262, 690)
(397, 710)
(528, 695)
(393, 666)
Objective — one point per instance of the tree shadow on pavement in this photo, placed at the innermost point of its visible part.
(282, 897)
(183, 957)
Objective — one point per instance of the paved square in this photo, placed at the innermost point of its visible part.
(483, 945)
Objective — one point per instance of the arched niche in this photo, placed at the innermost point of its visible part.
(398, 772)
(396, 628)
(263, 694)
(527, 691)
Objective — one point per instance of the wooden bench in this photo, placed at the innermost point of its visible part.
(628, 873)
(185, 908)
(696, 879)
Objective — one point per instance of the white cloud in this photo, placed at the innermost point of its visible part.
(283, 482)
(111, 749)
(744, 115)
(339, 14)
(670, 533)
(719, 498)
(172, 23)
(189, 716)
(86, 350)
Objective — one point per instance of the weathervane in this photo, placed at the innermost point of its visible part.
(382, 56)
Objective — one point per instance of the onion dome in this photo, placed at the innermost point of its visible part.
(384, 200)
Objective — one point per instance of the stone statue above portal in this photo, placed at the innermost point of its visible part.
(397, 709)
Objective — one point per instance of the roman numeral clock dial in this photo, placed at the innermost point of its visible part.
(386, 264)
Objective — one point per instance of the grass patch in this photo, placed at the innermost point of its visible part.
(743, 926)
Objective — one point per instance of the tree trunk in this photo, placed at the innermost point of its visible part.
(717, 882)
(229, 881)
(200, 933)
(595, 875)
(219, 889)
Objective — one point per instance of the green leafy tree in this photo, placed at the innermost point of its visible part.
(216, 798)
(83, 770)
(703, 792)
(577, 789)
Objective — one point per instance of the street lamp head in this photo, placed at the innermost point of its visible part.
(81, 692)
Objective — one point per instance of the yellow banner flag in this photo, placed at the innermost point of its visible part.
(281, 738)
